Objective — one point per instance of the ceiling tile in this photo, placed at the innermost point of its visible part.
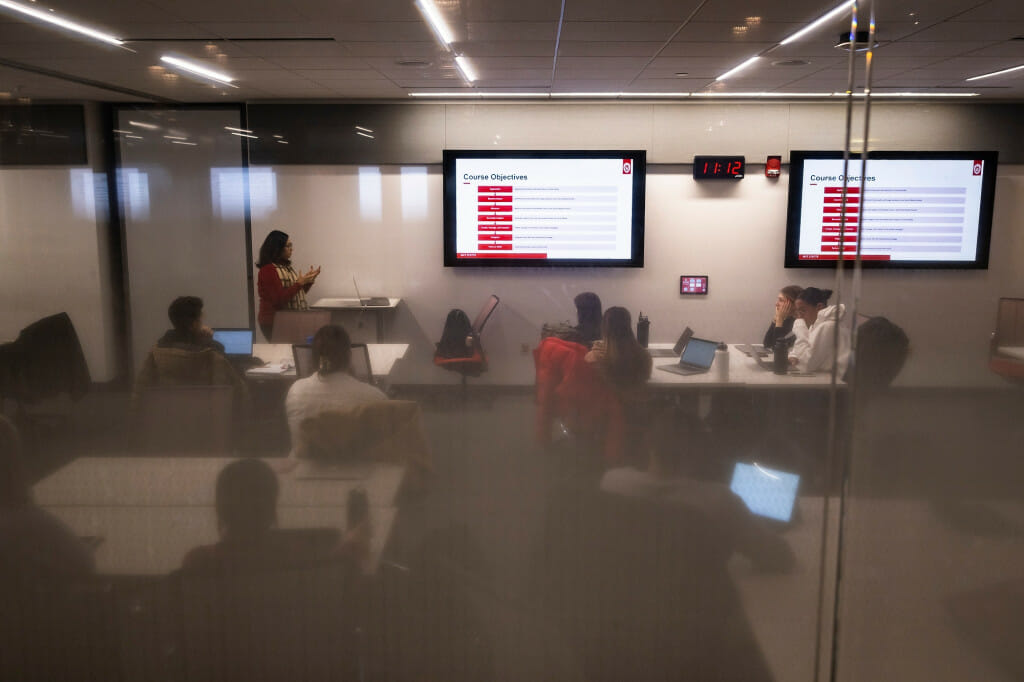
(635, 10)
(618, 31)
(960, 31)
(511, 30)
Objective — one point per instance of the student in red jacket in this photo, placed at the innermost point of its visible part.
(279, 286)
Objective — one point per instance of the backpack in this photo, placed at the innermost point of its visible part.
(453, 338)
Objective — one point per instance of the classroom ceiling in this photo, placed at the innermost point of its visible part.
(343, 49)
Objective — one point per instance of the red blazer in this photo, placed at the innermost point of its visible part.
(273, 295)
(571, 388)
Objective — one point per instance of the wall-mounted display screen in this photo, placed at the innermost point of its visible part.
(919, 209)
(544, 208)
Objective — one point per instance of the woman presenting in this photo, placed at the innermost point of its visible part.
(279, 286)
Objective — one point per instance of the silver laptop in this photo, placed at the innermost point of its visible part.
(676, 350)
(695, 359)
(371, 302)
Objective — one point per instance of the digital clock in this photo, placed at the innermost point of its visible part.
(718, 167)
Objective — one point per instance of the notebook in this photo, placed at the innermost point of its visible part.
(237, 342)
(695, 359)
(766, 492)
(676, 350)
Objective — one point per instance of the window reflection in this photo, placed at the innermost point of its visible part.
(83, 192)
(133, 190)
(414, 192)
(371, 205)
(227, 192)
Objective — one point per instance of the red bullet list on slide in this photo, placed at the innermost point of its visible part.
(494, 217)
(833, 221)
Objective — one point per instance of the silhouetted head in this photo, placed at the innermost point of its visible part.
(275, 249)
(617, 326)
(332, 349)
(588, 309)
(246, 499)
(185, 312)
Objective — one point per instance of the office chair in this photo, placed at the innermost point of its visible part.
(475, 364)
(185, 419)
(296, 326)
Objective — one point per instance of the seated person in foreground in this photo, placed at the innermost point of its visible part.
(187, 355)
(678, 443)
(588, 321)
(246, 501)
(331, 388)
(618, 356)
(33, 544)
(815, 326)
(785, 315)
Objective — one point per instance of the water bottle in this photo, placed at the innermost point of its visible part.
(780, 363)
(643, 330)
(721, 362)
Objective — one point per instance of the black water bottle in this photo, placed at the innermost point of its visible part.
(780, 363)
(643, 330)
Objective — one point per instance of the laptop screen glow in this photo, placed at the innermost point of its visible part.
(235, 341)
(766, 492)
(698, 353)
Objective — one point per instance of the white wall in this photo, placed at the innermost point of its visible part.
(54, 252)
(733, 231)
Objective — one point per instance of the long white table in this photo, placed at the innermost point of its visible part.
(148, 512)
(744, 372)
(383, 357)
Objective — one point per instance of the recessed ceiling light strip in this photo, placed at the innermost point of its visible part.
(57, 20)
(465, 68)
(436, 22)
(198, 70)
(819, 21)
(996, 73)
(737, 69)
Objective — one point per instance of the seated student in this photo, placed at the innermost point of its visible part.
(246, 502)
(331, 388)
(588, 321)
(678, 448)
(618, 356)
(33, 544)
(785, 315)
(813, 350)
(188, 331)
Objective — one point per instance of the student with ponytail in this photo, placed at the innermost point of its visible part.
(814, 328)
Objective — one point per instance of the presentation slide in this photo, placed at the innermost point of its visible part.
(544, 208)
(913, 210)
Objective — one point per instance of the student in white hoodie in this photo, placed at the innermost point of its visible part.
(814, 328)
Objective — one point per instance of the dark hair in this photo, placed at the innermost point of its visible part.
(815, 296)
(882, 348)
(332, 349)
(272, 247)
(791, 292)
(247, 498)
(14, 488)
(184, 311)
(626, 361)
(588, 309)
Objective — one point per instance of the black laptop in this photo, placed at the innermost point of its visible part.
(695, 359)
(676, 350)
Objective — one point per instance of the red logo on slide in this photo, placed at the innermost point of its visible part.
(627, 166)
(977, 167)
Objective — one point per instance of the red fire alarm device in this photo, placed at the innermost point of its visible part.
(773, 167)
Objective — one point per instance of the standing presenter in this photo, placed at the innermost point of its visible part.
(280, 287)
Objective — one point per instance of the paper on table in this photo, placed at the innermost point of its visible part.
(272, 368)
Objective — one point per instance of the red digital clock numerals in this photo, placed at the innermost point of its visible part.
(718, 167)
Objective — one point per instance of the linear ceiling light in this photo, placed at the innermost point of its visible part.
(734, 71)
(198, 70)
(237, 130)
(841, 9)
(475, 93)
(56, 20)
(466, 68)
(911, 94)
(996, 73)
(437, 23)
(782, 95)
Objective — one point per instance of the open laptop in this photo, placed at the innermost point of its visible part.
(237, 343)
(676, 350)
(695, 359)
(373, 301)
(764, 360)
(769, 493)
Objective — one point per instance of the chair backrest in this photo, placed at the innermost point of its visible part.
(303, 355)
(296, 326)
(485, 314)
(360, 363)
(185, 419)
